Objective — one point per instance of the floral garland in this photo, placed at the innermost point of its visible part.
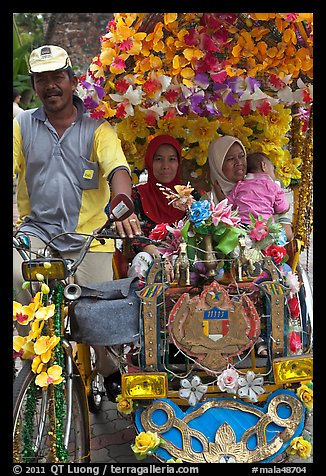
(41, 347)
(198, 76)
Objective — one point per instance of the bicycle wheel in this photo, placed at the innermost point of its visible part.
(34, 437)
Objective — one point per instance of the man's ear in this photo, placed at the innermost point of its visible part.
(74, 83)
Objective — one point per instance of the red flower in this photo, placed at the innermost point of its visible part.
(294, 307)
(278, 253)
(295, 342)
(160, 232)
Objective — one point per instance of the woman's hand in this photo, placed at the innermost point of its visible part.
(128, 227)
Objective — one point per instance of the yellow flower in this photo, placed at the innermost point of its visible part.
(301, 447)
(43, 313)
(173, 126)
(44, 345)
(53, 375)
(145, 443)
(133, 127)
(125, 405)
(201, 129)
(37, 365)
(306, 395)
(22, 314)
(287, 170)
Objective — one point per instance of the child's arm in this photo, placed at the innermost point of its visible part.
(281, 205)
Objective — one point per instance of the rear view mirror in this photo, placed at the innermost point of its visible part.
(121, 207)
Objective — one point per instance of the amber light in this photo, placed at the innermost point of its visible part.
(293, 369)
(31, 268)
(147, 385)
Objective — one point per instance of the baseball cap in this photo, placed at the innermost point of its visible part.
(48, 58)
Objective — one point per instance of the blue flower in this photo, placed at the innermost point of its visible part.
(199, 212)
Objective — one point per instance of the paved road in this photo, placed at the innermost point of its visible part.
(113, 434)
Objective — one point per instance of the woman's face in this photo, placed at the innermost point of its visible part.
(165, 163)
(235, 163)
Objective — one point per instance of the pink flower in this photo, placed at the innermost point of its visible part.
(228, 380)
(259, 231)
(222, 213)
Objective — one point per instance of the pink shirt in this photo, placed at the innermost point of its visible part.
(257, 194)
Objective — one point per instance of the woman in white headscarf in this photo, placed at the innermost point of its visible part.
(227, 158)
(227, 165)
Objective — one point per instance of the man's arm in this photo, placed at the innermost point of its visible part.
(121, 183)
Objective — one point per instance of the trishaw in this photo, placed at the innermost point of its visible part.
(191, 376)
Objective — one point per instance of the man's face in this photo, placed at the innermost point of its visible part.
(55, 89)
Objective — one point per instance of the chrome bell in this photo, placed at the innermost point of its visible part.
(72, 292)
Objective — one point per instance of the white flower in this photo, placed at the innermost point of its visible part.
(227, 459)
(132, 97)
(292, 281)
(250, 386)
(228, 380)
(192, 390)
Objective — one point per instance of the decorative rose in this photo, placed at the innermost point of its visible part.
(295, 342)
(160, 232)
(259, 231)
(277, 253)
(124, 405)
(145, 444)
(301, 447)
(294, 307)
(306, 395)
(228, 381)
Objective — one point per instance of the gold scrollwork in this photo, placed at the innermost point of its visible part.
(225, 444)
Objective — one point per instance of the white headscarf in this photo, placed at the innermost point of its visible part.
(217, 151)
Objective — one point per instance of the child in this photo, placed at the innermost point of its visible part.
(258, 193)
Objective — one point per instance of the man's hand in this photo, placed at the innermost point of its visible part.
(129, 227)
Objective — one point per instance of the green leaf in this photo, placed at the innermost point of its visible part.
(184, 231)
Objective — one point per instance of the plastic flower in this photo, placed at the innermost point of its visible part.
(159, 232)
(193, 390)
(294, 306)
(52, 375)
(145, 444)
(174, 460)
(228, 380)
(23, 314)
(124, 405)
(44, 345)
(222, 213)
(199, 212)
(306, 395)
(250, 386)
(278, 253)
(300, 447)
(43, 313)
(259, 231)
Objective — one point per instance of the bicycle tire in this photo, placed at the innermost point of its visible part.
(27, 449)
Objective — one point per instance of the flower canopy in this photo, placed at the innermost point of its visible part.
(198, 76)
